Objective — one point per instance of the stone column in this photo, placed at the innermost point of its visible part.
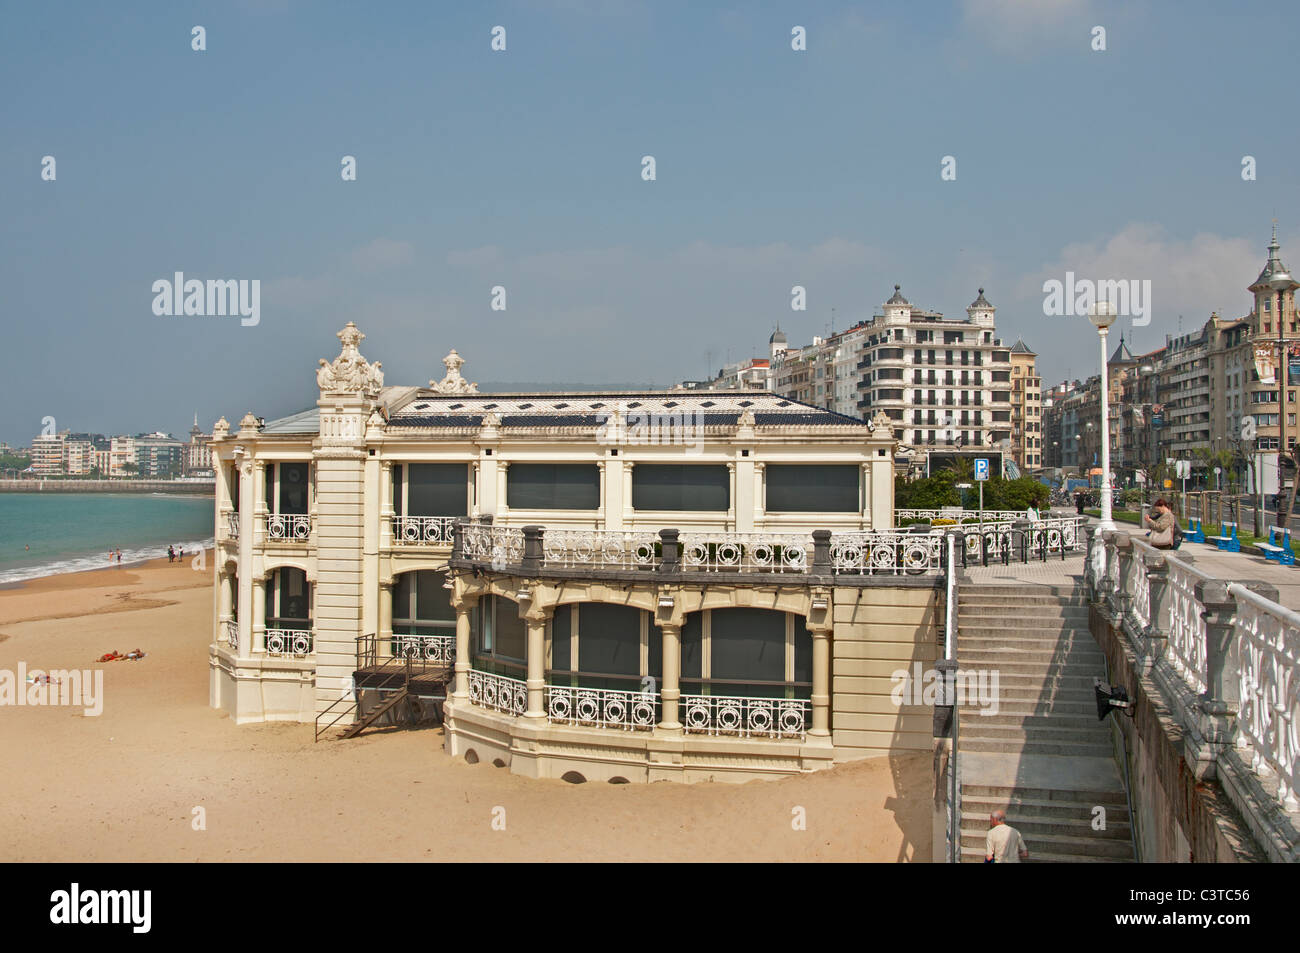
(1089, 562)
(259, 615)
(386, 504)
(536, 667)
(821, 687)
(385, 631)
(670, 692)
(1215, 714)
(732, 509)
(244, 575)
(464, 605)
(259, 507)
(760, 496)
(1123, 600)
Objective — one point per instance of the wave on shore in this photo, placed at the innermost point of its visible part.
(130, 557)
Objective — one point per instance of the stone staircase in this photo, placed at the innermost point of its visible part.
(1044, 758)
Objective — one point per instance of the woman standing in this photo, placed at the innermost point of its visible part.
(1161, 523)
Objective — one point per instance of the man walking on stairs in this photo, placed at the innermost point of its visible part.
(1004, 845)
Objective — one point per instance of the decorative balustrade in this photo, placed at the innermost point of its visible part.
(423, 530)
(1185, 624)
(426, 648)
(959, 514)
(601, 708)
(571, 549)
(498, 692)
(288, 642)
(232, 634)
(1268, 639)
(499, 545)
(1054, 535)
(887, 553)
(232, 525)
(1139, 588)
(288, 527)
(745, 717)
(746, 552)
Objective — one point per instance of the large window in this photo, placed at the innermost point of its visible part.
(288, 600)
(553, 486)
(431, 489)
(674, 487)
(500, 637)
(812, 488)
(601, 645)
(752, 652)
(421, 606)
(286, 488)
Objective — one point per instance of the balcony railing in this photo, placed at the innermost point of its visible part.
(887, 553)
(1159, 602)
(601, 549)
(745, 717)
(288, 527)
(423, 530)
(283, 642)
(232, 634)
(601, 708)
(498, 692)
(232, 525)
(426, 648)
(746, 552)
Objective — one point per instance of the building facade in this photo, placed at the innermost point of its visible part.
(634, 585)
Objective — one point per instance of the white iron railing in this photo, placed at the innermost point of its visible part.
(232, 525)
(282, 527)
(746, 552)
(423, 530)
(601, 708)
(285, 642)
(498, 692)
(887, 553)
(745, 717)
(501, 545)
(959, 514)
(429, 648)
(232, 634)
(1268, 639)
(572, 548)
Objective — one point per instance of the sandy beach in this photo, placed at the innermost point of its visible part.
(124, 786)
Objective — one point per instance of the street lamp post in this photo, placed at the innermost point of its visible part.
(1102, 314)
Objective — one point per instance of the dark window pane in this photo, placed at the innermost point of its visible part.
(561, 632)
(674, 487)
(511, 635)
(293, 488)
(609, 639)
(397, 489)
(692, 639)
(402, 595)
(437, 489)
(798, 488)
(432, 602)
(553, 486)
(748, 644)
(802, 650)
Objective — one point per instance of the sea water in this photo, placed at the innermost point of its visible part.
(46, 533)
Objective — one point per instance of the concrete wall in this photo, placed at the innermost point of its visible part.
(879, 631)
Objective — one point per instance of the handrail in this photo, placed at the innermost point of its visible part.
(341, 715)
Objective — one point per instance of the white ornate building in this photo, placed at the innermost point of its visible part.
(625, 585)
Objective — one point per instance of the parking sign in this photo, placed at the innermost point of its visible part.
(981, 468)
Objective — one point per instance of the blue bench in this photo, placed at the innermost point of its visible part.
(1278, 547)
(1227, 541)
(1195, 531)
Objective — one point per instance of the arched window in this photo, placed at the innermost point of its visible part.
(288, 599)
(422, 607)
(500, 637)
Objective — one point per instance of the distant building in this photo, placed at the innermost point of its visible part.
(158, 456)
(47, 454)
(1026, 409)
(198, 452)
(122, 457)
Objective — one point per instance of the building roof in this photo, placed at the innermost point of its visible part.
(1020, 347)
(424, 409)
(981, 302)
(778, 336)
(1122, 354)
(1272, 267)
(898, 297)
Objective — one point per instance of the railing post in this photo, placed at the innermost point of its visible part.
(458, 538)
(1214, 728)
(1123, 600)
(1089, 561)
(822, 552)
(1155, 637)
(532, 561)
(670, 557)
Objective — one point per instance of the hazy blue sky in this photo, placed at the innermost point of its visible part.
(523, 169)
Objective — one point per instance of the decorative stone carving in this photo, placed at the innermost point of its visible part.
(249, 422)
(453, 382)
(221, 429)
(746, 418)
(491, 420)
(882, 426)
(350, 373)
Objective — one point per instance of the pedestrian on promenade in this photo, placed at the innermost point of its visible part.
(1078, 503)
(1004, 845)
(1160, 522)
